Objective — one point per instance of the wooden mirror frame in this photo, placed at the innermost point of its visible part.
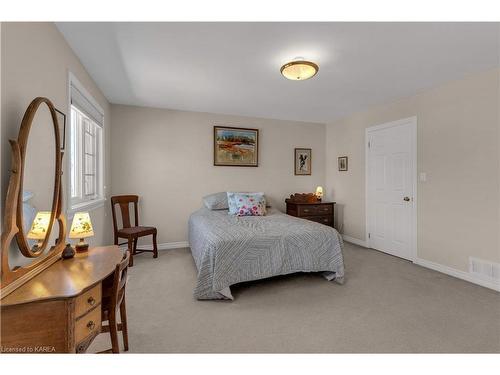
(10, 279)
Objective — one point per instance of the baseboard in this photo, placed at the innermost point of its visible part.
(354, 240)
(458, 274)
(164, 246)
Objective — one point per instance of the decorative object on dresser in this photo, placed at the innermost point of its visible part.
(319, 193)
(57, 310)
(81, 228)
(113, 298)
(303, 161)
(68, 252)
(129, 232)
(342, 163)
(236, 147)
(307, 206)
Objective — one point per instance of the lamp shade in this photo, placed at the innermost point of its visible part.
(39, 226)
(319, 192)
(81, 226)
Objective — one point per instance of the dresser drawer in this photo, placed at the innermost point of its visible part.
(88, 324)
(314, 209)
(87, 300)
(327, 220)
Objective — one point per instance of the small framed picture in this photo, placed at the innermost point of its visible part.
(303, 161)
(61, 119)
(343, 163)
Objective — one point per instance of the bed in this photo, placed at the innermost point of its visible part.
(229, 249)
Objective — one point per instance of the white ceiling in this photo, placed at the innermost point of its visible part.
(233, 68)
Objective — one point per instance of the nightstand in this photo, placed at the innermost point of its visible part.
(319, 212)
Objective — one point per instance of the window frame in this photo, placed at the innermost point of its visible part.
(100, 196)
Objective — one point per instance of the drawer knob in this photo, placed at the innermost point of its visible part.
(91, 325)
(306, 210)
(91, 301)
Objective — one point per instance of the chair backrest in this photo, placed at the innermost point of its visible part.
(124, 202)
(120, 280)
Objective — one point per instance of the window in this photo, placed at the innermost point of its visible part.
(86, 164)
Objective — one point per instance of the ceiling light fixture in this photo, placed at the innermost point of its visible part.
(299, 70)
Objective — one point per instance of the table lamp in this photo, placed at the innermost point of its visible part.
(319, 193)
(39, 227)
(81, 228)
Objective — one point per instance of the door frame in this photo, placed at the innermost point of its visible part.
(413, 216)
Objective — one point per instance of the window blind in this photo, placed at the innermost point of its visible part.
(83, 104)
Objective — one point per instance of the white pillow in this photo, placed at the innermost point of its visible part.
(217, 201)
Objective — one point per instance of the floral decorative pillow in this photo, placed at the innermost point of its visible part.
(246, 204)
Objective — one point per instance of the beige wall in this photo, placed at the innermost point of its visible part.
(458, 148)
(35, 62)
(166, 157)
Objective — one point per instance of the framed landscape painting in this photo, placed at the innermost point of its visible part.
(236, 147)
(303, 161)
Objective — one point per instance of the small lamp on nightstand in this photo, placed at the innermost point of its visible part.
(319, 193)
(81, 228)
(39, 227)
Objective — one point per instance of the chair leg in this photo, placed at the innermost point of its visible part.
(131, 249)
(116, 240)
(113, 331)
(135, 245)
(155, 246)
(123, 318)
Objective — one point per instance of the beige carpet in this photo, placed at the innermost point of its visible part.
(386, 305)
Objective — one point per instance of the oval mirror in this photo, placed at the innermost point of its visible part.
(40, 179)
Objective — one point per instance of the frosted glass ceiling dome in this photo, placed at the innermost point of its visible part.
(299, 70)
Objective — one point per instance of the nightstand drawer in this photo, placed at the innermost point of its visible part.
(314, 209)
(311, 209)
(327, 220)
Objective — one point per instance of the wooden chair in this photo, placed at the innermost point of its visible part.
(113, 298)
(131, 233)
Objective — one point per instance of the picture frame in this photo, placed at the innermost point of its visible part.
(343, 163)
(61, 120)
(236, 147)
(302, 161)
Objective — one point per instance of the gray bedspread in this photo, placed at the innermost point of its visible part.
(228, 250)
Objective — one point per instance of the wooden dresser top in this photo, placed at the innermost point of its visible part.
(308, 203)
(67, 278)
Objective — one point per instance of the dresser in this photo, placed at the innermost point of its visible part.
(320, 212)
(59, 310)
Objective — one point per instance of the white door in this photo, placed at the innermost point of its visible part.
(390, 187)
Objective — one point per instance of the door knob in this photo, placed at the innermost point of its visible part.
(406, 199)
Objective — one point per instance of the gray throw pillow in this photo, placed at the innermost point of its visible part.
(217, 201)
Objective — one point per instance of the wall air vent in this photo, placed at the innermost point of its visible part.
(484, 269)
